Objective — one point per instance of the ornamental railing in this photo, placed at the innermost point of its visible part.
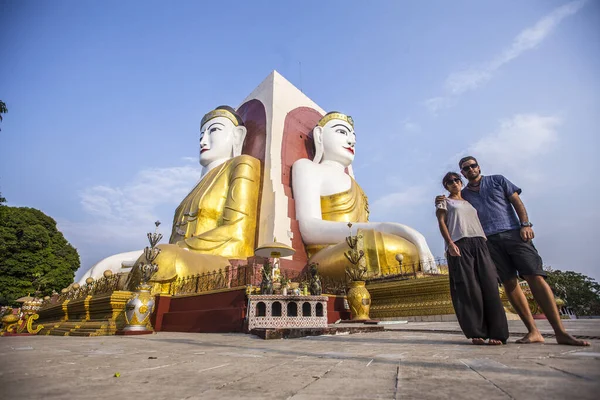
(104, 285)
(438, 266)
(251, 275)
(224, 278)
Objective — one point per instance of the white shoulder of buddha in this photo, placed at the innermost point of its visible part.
(114, 263)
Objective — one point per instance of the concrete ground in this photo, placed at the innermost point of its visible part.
(413, 360)
(580, 327)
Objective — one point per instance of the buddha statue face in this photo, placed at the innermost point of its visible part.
(335, 141)
(220, 139)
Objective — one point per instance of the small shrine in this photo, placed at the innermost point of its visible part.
(278, 311)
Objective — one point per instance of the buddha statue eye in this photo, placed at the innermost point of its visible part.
(213, 130)
(342, 131)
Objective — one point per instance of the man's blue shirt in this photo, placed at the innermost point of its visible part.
(496, 213)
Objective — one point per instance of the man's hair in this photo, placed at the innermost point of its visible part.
(465, 159)
(450, 175)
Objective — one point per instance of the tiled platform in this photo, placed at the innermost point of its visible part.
(391, 364)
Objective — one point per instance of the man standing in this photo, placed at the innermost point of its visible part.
(510, 243)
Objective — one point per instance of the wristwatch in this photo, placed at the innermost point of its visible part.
(526, 225)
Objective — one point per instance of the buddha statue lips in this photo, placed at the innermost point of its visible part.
(327, 199)
(217, 220)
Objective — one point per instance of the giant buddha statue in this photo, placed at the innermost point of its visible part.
(217, 220)
(327, 199)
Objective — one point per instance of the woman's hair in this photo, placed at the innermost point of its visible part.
(450, 175)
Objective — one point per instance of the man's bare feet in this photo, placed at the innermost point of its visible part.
(478, 341)
(495, 342)
(565, 338)
(531, 337)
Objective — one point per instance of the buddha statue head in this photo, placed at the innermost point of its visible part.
(222, 134)
(335, 139)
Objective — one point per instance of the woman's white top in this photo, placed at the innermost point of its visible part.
(461, 219)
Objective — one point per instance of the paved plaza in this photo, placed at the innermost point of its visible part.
(412, 360)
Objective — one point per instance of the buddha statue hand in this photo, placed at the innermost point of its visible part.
(426, 259)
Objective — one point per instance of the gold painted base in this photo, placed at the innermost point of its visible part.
(93, 316)
(428, 295)
(424, 299)
(533, 305)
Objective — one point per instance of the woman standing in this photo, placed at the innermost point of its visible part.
(473, 277)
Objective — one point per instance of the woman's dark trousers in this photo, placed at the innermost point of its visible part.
(474, 291)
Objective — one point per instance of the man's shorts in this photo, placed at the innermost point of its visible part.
(513, 256)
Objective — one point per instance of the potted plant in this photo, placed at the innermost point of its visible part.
(359, 298)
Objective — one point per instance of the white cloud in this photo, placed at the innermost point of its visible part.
(190, 159)
(531, 37)
(460, 82)
(119, 217)
(404, 199)
(137, 200)
(476, 76)
(517, 145)
(410, 126)
(435, 104)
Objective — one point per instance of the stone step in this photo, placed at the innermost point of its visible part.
(83, 333)
(56, 332)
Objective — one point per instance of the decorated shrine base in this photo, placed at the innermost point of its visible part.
(226, 311)
(293, 333)
(287, 312)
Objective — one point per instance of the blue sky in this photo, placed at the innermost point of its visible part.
(105, 100)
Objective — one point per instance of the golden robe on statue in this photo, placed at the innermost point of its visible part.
(380, 248)
(216, 221)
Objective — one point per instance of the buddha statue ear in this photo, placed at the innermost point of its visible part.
(239, 134)
(318, 139)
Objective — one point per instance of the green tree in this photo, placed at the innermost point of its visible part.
(3, 110)
(33, 254)
(580, 292)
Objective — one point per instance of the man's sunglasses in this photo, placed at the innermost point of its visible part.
(450, 181)
(467, 167)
